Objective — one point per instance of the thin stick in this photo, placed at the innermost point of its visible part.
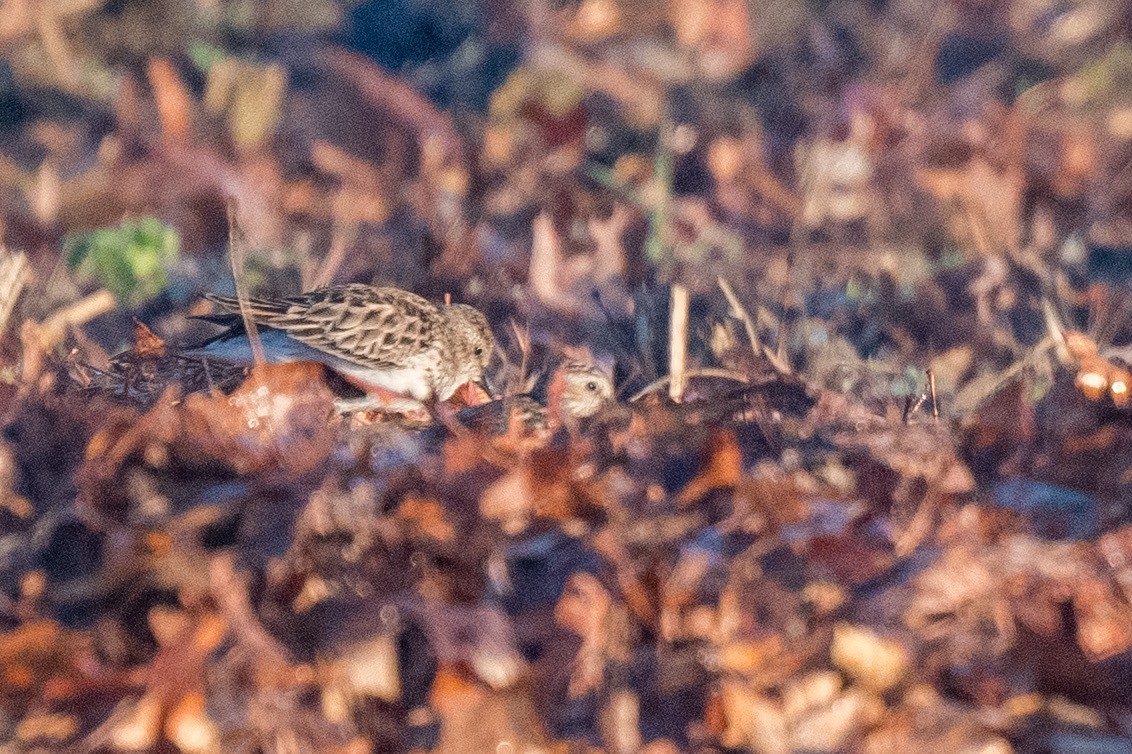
(911, 408)
(935, 400)
(230, 592)
(14, 275)
(780, 336)
(236, 258)
(52, 330)
(740, 313)
(678, 342)
(1056, 330)
(331, 263)
(523, 340)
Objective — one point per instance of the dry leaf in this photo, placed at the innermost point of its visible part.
(875, 662)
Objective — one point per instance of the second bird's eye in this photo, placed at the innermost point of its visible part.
(478, 352)
(591, 385)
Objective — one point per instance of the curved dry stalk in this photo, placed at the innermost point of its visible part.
(725, 374)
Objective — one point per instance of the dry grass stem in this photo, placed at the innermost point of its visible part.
(52, 330)
(740, 313)
(236, 258)
(935, 397)
(523, 341)
(14, 275)
(333, 261)
(678, 342)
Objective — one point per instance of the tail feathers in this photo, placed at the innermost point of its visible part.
(233, 325)
(256, 307)
(229, 306)
(232, 345)
(225, 302)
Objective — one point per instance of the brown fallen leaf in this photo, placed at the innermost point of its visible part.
(723, 469)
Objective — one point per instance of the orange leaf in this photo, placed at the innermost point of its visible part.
(174, 103)
(147, 342)
(724, 468)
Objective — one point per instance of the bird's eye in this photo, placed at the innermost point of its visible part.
(591, 386)
(478, 352)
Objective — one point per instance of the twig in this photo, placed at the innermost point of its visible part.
(40, 337)
(911, 408)
(740, 313)
(621, 351)
(203, 170)
(678, 342)
(236, 258)
(230, 592)
(780, 336)
(1056, 331)
(725, 374)
(634, 372)
(971, 395)
(94, 353)
(523, 341)
(13, 278)
(52, 330)
(935, 398)
(331, 263)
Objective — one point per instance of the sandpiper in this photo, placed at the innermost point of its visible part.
(382, 340)
(576, 391)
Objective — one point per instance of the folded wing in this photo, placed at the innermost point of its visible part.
(371, 327)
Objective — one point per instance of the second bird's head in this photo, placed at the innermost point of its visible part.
(581, 389)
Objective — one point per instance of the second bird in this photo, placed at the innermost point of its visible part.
(576, 391)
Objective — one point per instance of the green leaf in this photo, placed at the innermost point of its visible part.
(132, 260)
(205, 55)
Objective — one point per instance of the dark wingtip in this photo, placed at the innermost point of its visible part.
(222, 318)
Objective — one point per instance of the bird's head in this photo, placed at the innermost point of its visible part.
(472, 342)
(580, 390)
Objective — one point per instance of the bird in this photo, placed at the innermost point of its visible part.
(576, 391)
(397, 347)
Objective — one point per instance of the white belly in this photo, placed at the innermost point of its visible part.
(412, 382)
(278, 348)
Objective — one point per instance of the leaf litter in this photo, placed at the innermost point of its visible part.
(867, 492)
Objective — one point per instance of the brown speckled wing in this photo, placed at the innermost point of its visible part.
(494, 417)
(372, 327)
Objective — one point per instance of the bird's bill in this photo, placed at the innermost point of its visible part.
(483, 384)
(472, 394)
